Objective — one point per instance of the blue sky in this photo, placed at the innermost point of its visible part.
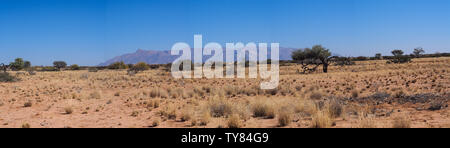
(88, 32)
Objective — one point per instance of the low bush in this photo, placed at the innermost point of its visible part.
(219, 107)
(5, 77)
(263, 109)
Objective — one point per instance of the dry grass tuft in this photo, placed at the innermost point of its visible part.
(27, 104)
(365, 122)
(355, 93)
(95, 95)
(263, 108)
(335, 109)
(158, 92)
(169, 112)
(154, 103)
(316, 95)
(134, 114)
(68, 110)
(219, 107)
(321, 120)
(304, 106)
(155, 123)
(234, 121)
(205, 118)
(401, 122)
(284, 118)
(186, 115)
(26, 125)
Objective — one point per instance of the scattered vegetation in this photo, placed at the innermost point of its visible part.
(19, 64)
(399, 57)
(357, 92)
(5, 77)
(141, 66)
(118, 65)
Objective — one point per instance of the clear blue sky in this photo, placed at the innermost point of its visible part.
(88, 32)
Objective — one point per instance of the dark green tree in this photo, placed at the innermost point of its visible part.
(418, 52)
(397, 52)
(59, 64)
(74, 67)
(399, 57)
(315, 56)
(18, 64)
(378, 56)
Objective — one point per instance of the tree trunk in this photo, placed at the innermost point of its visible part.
(325, 67)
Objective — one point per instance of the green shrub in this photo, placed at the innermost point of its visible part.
(49, 68)
(219, 107)
(399, 57)
(18, 64)
(5, 77)
(59, 64)
(118, 65)
(263, 109)
(74, 67)
(141, 66)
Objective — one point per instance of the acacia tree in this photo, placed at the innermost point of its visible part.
(378, 56)
(399, 57)
(315, 56)
(59, 64)
(18, 64)
(418, 51)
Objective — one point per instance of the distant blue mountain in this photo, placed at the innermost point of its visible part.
(164, 56)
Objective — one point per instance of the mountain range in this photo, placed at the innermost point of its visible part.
(164, 56)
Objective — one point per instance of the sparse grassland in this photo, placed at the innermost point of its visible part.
(367, 94)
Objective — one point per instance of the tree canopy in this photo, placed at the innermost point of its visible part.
(316, 56)
(59, 64)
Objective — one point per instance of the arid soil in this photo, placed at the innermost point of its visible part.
(367, 95)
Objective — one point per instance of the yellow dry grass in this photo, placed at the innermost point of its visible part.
(107, 98)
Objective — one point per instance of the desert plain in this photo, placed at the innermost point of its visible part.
(369, 94)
